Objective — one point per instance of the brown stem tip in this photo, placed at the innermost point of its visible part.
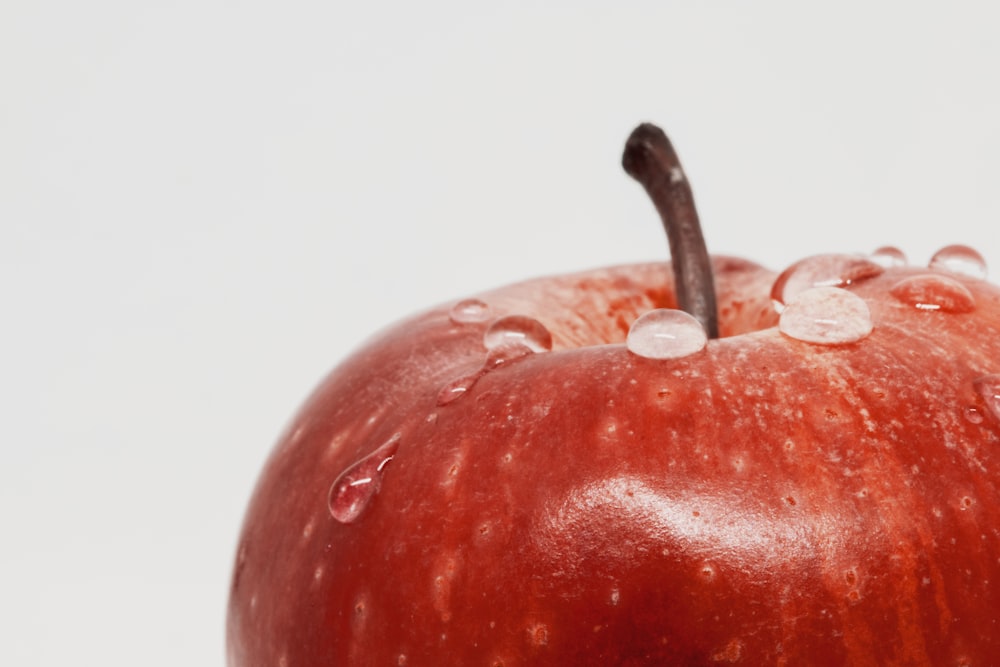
(650, 159)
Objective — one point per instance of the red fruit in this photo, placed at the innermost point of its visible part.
(823, 491)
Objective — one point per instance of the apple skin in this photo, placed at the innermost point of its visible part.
(763, 501)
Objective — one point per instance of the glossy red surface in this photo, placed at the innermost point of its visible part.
(763, 501)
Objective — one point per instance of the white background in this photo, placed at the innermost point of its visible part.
(205, 204)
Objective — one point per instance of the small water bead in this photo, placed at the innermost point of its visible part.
(518, 329)
(822, 271)
(666, 333)
(456, 389)
(826, 316)
(469, 311)
(495, 358)
(354, 489)
(934, 292)
(889, 256)
(960, 259)
(973, 415)
(988, 387)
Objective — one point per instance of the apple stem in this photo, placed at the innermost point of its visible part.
(650, 159)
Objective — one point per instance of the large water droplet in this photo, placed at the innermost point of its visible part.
(960, 259)
(469, 311)
(826, 316)
(354, 489)
(666, 333)
(934, 292)
(889, 256)
(988, 386)
(822, 271)
(518, 329)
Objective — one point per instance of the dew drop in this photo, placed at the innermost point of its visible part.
(495, 358)
(666, 333)
(889, 256)
(826, 316)
(518, 329)
(504, 354)
(960, 259)
(456, 389)
(988, 387)
(354, 489)
(973, 415)
(822, 271)
(469, 311)
(934, 292)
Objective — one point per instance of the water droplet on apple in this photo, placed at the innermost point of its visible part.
(934, 292)
(456, 389)
(666, 333)
(498, 356)
(826, 316)
(889, 256)
(822, 271)
(469, 311)
(495, 358)
(988, 387)
(518, 330)
(354, 489)
(960, 259)
(973, 415)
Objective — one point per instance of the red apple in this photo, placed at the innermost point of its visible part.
(562, 472)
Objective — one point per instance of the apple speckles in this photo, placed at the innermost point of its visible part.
(666, 333)
(308, 529)
(960, 259)
(731, 652)
(826, 316)
(965, 502)
(336, 442)
(538, 634)
(615, 597)
(707, 573)
(442, 597)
